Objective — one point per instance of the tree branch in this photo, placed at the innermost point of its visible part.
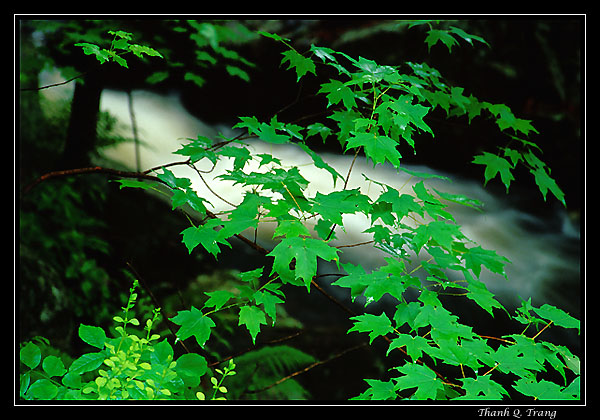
(53, 84)
(306, 369)
(88, 170)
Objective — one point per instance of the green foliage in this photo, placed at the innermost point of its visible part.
(217, 384)
(118, 47)
(133, 365)
(379, 112)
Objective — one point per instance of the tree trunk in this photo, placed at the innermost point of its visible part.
(81, 133)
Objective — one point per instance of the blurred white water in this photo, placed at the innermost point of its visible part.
(545, 260)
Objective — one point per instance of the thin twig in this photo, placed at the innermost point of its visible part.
(331, 298)
(264, 344)
(306, 369)
(345, 185)
(356, 244)
(209, 187)
(53, 84)
(547, 325)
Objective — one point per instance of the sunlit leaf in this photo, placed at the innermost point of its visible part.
(193, 323)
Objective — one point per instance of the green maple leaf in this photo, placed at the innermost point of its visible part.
(439, 319)
(373, 72)
(431, 204)
(198, 149)
(217, 299)
(557, 316)
(479, 293)
(474, 108)
(437, 98)
(375, 325)
(353, 280)
(480, 348)
(251, 123)
(379, 390)
(267, 133)
(504, 116)
(482, 388)
(269, 302)
(241, 155)
(320, 129)
(414, 345)
(477, 256)
(252, 317)
(542, 390)
(467, 37)
(523, 126)
(135, 183)
(304, 251)
(206, 236)
(460, 199)
(102, 55)
(545, 183)
(436, 35)
(375, 284)
(273, 36)
(193, 323)
(320, 163)
(406, 313)
(506, 119)
(445, 328)
(456, 94)
(333, 205)
(138, 50)
(573, 391)
(402, 205)
(301, 64)
(378, 148)
(383, 211)
(440, 232)
(383, 283)
(338, 91)
(452, 353)
(345, 122)
(172, 181)
(289, 183)
(411, 113)
(493, 165)
(291, 228)
(420, 377)
(189, 197)
(513, 359)
(243, 217)
(324, 53)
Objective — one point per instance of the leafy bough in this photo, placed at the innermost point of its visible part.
(378, 111)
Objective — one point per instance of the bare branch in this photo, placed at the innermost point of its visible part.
(307, 368)
(89, 170)
(53, 84)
